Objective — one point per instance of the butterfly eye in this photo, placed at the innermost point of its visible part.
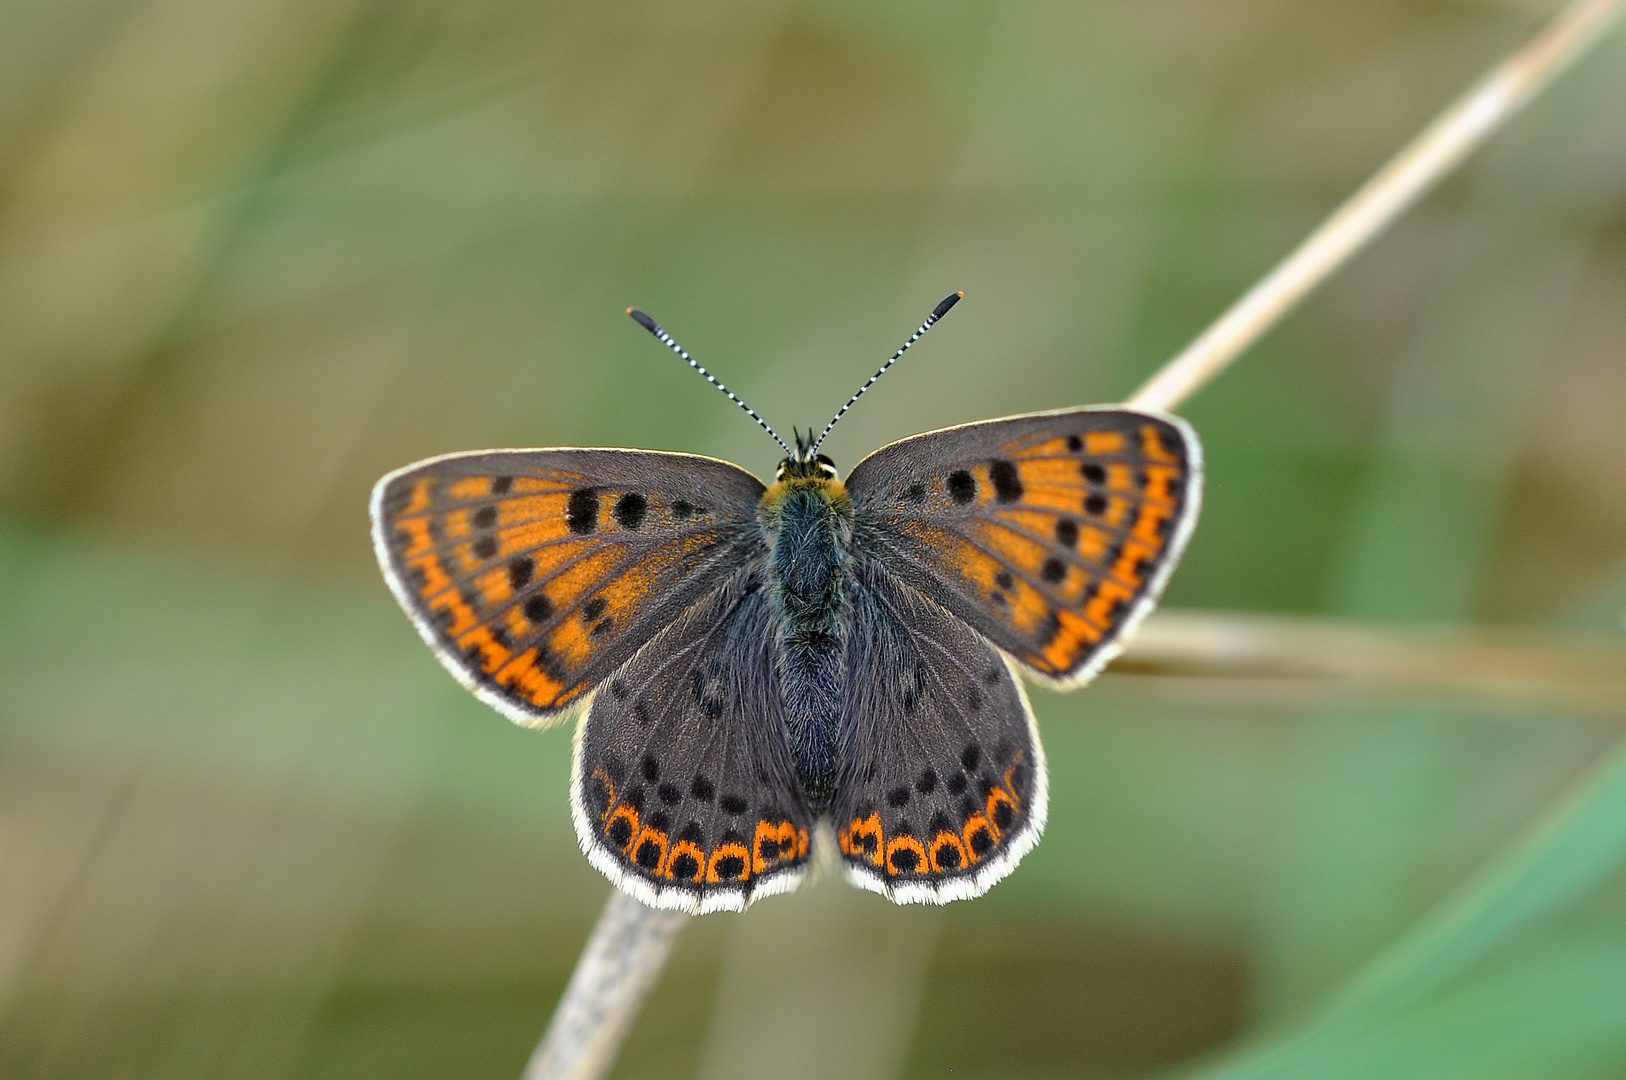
(779, 473)
(827, 468)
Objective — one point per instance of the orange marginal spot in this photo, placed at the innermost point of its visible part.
(1000, 800)
(1151, 515)
(774, 840)
(418, 539)
(677, 870)
(1117, 514)
(905, 855)
(621, 826)
(977, 826)
(518, 625)
(943, 843)
(730, 861)
(419, 500)
(529, 485)
(801, 843)
(1103, 442)
(433, 576)
(493, 653)
(1102, 608)
(494, 586)
(1151, 445)
(861, 838)
(462, 616)
(522, 674)
(648, 849)
(1157, 481)
(1130, 556)
(602, 776)
(1120, 477)
(1074, 634)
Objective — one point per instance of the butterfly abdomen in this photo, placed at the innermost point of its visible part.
(809, 525)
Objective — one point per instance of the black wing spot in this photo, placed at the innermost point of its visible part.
(635, 799)
(593, 608)
(897, 797)
(670, 795)
(1004, 815)
(915, 493)
(582, 512)
(732, 804)
(1074, 443)
(1004, 580)
(768, 848)
(962, 488)
(1007, 485)
(520, 569)
(681, 509)
(730, 866)
(1175, 487)
(618, 689)
(981, 842)
(927, 782)
(685, 867)
(649, 855)
(501, 484)
(652, 768)
(1054, 570)
(1095, 505)
(1094, 473)
(485, 546)
(692, 833)
(538, 608)
(620, 832)
(702, 789)
(485, 517)
(947, 856)
(1066, 532)
(630, 510)
(904, 860)
(602, 627)
(970, 756)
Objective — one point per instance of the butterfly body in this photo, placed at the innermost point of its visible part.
(758, 666)
(808, 523)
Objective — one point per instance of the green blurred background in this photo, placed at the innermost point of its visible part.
(255, 253)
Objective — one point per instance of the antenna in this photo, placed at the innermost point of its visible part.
(666, 339)
(937, 313)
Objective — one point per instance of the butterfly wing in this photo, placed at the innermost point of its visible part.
(682, 787)
(1051, 534)
(942, 787)
(533, 574)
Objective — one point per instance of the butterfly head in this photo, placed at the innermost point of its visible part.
(806, 463)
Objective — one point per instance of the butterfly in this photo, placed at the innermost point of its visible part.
(763, 671)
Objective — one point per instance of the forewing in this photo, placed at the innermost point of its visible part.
(942, 786)
(683, 792)
(533, 574)
(1051, 534)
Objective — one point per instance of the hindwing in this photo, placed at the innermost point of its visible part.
(682, 790)
(942, 787)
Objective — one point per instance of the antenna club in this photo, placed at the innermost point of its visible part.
(645, 321)
(948, 301)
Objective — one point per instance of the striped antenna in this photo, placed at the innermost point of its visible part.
(937, 313)
(666, 339)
